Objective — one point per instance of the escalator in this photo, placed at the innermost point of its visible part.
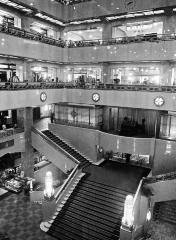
(92, 212)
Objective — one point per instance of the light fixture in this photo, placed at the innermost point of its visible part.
(53, 20)
(149, 215)
(93, 20)
(135, 14)
(49, 190)
(128, 218)
(16, 5)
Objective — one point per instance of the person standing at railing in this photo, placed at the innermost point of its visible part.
(52, 117)
(15, 78)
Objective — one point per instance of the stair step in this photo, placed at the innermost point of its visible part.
(92, 209)
(89, 216)
(109, 188)
(81, 229)
(94, 198)
(90, 222)
(94, 205)
(96, 191)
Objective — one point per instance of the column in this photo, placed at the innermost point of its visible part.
(27, 73)
(166, 74)
(27, 156)
(106, 75)
(107, 32)
(106, 115)
(20, 118)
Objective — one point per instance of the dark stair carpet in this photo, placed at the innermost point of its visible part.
(94, 209)
(117, 174)
(83, 161)
(165, 211)
(92, 212)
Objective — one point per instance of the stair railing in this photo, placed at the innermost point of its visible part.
(66, 183)
(132, 224)
(36, 131)
(136, 203)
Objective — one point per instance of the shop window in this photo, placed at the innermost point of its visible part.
(132, 122)
(87, 76)
(142, 75)
(78, 115)
(137, 28)
(80, 35)
(168, 127)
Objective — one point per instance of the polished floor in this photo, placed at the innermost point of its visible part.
(20, 218)
(123, 176)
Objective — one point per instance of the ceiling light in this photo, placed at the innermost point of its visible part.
(158, 11)
(16, 5)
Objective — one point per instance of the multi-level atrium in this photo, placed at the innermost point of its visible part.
(87, 119)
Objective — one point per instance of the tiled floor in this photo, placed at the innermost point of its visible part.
(21, 219)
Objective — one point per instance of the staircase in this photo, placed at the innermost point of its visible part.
(92, 212)
(84, 162)
(165, 211)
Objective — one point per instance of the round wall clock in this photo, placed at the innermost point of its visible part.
(43, 96)
(95, 97)
(159, 101)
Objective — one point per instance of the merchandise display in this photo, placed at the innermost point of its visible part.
(13, 185)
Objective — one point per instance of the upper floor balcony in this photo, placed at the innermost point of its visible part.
(22, 95)
(20, 43)
(150, 47)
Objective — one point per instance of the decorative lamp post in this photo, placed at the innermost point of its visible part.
(49, 190)
(127, 220)
(128, 217)
(49, 202)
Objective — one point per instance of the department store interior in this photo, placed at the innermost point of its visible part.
(87, 119)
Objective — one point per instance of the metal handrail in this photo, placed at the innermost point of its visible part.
(108, 86)
(54, 144)
(22, 33)
(73, 173)
(136, 196)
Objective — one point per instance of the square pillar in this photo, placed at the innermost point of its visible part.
(106, 73)
(27, 156)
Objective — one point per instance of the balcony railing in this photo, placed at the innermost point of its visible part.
(22, 33)
(57, 85)
(78, 124)
(161, 177)
(6, 133)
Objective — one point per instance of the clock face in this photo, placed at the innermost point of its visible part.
(43, 96)
(159, 101)
(95, 97)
